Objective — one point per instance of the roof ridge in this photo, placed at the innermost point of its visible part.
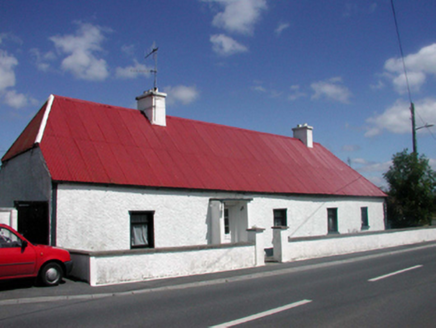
(92, 102)
(233, 127)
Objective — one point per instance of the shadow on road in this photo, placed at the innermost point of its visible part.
(26, 283)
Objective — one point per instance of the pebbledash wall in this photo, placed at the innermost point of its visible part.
(114, 267)
(96, 218)
(9, 216)
(294, 249)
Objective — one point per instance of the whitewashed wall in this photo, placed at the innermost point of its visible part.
(287, 250)
(307, 216)
(97, 217)
(104, 269)
(9, 216)
(26, 178)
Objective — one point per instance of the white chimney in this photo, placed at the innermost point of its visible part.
(305, 134)
(152, 103)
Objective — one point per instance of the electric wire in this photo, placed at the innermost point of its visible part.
(405, 69)
(401, 50)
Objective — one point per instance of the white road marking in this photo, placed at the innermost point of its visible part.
(261, 314)
(394, 273)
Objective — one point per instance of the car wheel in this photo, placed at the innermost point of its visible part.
(51, 274)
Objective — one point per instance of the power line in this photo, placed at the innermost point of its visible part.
(401, 50)
(412, 106)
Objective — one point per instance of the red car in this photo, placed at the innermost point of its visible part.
(21, 259)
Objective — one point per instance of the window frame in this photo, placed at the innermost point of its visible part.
(332, 226)
(150, 228)
(9, 239)
(283, 217)
(364, 219)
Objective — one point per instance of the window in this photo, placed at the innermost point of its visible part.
(332, 220)
(141, 230)
(226, 221)
(280, 219)
(364, 217)
(8, 239)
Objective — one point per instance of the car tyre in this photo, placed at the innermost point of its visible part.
(51, 274)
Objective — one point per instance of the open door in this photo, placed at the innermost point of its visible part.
(33, 221)
(229, 220)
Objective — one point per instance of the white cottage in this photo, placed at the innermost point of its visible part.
(94, 177)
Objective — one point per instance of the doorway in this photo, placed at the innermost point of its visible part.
(235, 222)
(33, 221)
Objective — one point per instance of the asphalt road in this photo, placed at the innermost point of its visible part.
(393, 290)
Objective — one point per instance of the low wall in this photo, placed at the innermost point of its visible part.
(288, 249)
(113, 267)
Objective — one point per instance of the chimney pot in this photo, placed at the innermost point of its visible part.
(304, 132)
(152, 103)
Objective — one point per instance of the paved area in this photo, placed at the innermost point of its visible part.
(24, 291)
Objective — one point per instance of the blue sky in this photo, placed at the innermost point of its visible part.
(257, 64)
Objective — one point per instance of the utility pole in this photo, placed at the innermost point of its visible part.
(412, 112)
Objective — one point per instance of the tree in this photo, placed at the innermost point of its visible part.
(412, 190)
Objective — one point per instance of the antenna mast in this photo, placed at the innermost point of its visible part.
(154, 71)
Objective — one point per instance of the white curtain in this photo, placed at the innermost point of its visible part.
(139, 235)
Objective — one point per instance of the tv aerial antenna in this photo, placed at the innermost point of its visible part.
(153, 53)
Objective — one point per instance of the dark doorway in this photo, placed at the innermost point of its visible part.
(33, 221)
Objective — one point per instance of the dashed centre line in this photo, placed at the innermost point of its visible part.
(394, 273)
(261, 314)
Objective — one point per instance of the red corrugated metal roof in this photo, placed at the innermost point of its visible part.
(27, 138)
(93, 143)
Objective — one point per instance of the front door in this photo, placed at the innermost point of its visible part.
(228, 221)
(33, 221)
(235, 222)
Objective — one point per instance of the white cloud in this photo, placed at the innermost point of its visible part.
(259, 88)
(18, 100)
(331, 89)
(239, 16)
(128, 49)
(364, 166)
(418, 65)
(226, 46)
(378, 181)
(380, 85)
(81, 50)
(396, 119)
(350, 148)
(10, 37)
(181, 94)
(371, 170)
(296, 93)
(281, 27)
(7, 74)
(352, 9)
(7, 80)
(132, 72)
(42, 60)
